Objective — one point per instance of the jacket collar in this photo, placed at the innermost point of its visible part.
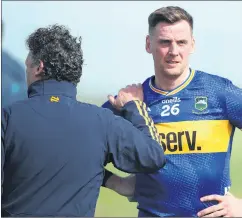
(52, 87)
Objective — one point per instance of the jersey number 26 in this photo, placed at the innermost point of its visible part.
(168, 110)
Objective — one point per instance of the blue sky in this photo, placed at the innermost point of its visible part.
(114, 37)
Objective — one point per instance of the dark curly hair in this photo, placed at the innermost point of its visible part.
(59, 51)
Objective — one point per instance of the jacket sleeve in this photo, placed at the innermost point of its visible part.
(133, 142)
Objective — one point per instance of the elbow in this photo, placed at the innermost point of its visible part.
(154, 166)
(159, 162)
(162, 161)
(161, 157)
(157, 157)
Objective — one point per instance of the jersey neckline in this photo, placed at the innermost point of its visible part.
(177, 89)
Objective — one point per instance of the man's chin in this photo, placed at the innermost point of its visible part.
(172, 73)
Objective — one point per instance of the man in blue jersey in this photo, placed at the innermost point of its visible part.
(196, 114)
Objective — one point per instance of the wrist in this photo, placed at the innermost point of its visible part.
(107, 175)
(113, 182)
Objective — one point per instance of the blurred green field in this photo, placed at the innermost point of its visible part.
(112, 205)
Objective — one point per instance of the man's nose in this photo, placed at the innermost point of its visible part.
(174, 50)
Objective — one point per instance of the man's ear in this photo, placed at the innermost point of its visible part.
(147, 44)
(193, 46)
(39, 68)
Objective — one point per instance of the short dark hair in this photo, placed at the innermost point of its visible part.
(170, 14)
(60, 52)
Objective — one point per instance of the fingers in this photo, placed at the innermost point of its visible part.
(111, 99)
(210, 210)
(138, 85)
(116, 102)
(129, 93)
(229, 206)
(218, 198)
(219, 213)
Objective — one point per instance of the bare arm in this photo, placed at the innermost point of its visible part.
(124, 186)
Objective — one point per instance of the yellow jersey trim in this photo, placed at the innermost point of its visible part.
(178, 89)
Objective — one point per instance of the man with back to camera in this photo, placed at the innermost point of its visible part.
(54, 148)
(196, 114)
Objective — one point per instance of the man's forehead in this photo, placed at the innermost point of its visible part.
(30, 55)
(29, 58)
(179, 29)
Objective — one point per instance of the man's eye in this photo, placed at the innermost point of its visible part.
(182, 42)
(164, 41)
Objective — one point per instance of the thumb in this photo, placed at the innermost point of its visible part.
(111, 99)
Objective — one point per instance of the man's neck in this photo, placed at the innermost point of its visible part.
(169, 83)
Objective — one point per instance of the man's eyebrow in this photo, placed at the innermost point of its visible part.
(164, 39)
